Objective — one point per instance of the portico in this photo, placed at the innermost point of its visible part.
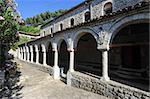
(97, 53)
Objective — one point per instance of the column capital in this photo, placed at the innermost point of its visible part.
(54, 49)
(31, 48)
(36, 50)
(103, 47)
(70, 50)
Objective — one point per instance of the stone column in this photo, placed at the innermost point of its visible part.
(18, 53)
(37, 55)
(71, 63)
(24, 54)
(31, 51)
(21, 54)
(28, 53)
(105, 76)
(56, 69)
(44, 58)
(71, 67)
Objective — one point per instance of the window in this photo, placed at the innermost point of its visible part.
(87, 15)
(108, 8)
(61, 26)
(72, 22)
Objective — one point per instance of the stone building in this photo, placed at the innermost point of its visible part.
(99, 45)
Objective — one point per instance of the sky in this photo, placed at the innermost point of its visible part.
(29, 8)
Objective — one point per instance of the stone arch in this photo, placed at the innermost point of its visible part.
(49, 54)
(119, 24)
(43, 47)
(63, 61)
(47, 45)
(60, 40)
(36, 47)
(82, 32)
(129, 55)
(87, 56)
(42, 50)
(31, 48)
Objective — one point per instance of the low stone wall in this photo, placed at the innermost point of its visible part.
(110, 89)
(47, 69)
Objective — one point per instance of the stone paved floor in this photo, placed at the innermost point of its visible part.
(39, 85)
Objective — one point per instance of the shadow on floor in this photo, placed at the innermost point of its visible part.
(12, 87)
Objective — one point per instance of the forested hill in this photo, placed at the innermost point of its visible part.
(42, 18)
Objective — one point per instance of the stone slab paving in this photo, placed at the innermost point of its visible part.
(39, 85)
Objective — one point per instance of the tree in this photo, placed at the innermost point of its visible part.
(41, 18)
(8, 29)
(29, 29)
(22, 39)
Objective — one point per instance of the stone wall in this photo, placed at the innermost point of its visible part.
(47, 69)
(120, 4)
(109, 89)
(96, 9)
(77, 14)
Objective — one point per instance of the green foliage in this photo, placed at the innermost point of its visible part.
(8, 26)
(29, 29)
(42, 18)
(8, 29)
(22, 39)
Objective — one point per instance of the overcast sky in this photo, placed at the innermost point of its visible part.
(29, 8)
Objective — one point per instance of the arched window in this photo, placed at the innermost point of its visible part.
(108, 8)
(61, 26)
(87, 15)
(72, 21)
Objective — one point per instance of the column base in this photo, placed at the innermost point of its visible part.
(71, 70)
(45, 64)
(105, 78)
(56, 72)
(37, 63)
(69, 76)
